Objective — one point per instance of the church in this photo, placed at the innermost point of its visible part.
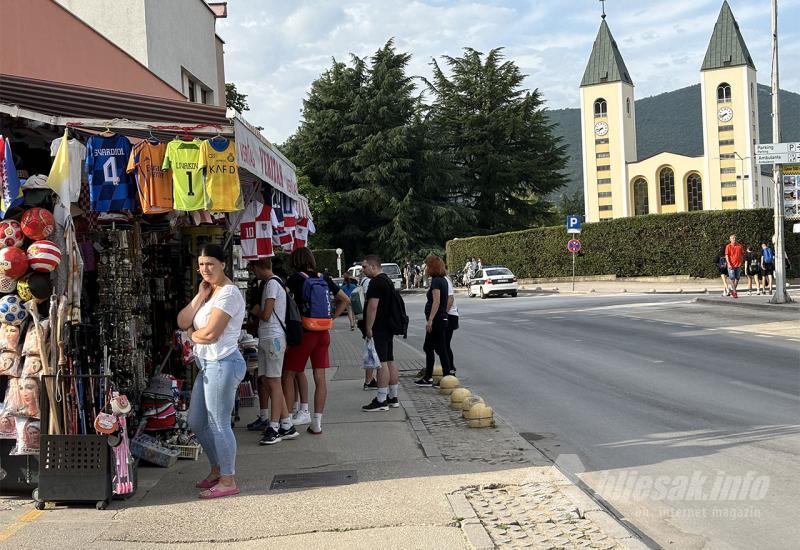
(618, 184)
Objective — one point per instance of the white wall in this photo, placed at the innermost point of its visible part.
(123, 23)
(181, 34)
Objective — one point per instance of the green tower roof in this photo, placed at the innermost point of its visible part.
(727, 47)
(605, 63)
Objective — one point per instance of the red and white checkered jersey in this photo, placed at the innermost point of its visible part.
(255, 231)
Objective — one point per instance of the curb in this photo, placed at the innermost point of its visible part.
(476, 534)
(761, 306)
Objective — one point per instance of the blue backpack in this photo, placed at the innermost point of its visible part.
(769, 256)
(316, 310)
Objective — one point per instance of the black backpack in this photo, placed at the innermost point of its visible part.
(398, 319)
(292, 325)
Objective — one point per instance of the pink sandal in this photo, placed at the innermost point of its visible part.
(206, 483)
(216, 492)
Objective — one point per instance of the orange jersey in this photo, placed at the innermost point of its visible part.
(153, 182)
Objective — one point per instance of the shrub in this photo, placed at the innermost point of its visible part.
(642, 246)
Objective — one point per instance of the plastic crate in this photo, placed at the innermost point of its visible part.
(191, 452)
(145, 447)
(247, 402)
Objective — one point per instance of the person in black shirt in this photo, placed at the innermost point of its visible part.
(314, 345)
(436, 316)
(376, 324)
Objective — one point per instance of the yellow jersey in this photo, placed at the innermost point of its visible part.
(183, 159)
(223, 191)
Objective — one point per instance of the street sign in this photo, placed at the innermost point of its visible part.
(777, 148)
(573, 223)
(574, 246)
(778, 158)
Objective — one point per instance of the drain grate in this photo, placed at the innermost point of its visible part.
(314, 479)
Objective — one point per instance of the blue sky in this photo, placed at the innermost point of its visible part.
(275, 49)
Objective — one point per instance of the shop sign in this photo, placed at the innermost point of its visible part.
(258, 157)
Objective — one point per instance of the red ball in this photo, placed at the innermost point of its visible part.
(13, 262)
(10, 234)
(44, 256)
(38, 223)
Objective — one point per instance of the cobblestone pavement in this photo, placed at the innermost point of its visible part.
(534, 515)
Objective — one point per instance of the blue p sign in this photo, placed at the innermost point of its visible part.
(573, 223)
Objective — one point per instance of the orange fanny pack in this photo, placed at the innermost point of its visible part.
(313, 324)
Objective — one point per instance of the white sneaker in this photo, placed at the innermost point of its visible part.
(299, 418)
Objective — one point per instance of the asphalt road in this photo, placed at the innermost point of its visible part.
(686, 426)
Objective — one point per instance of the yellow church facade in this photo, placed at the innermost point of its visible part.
(618, 184)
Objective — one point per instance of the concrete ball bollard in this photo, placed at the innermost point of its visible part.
(480, 416)
(437, 372)
(470, 402)
(447, 384)
(457, 397)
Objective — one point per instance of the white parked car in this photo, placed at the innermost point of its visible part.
(391, 270)
(493, 281)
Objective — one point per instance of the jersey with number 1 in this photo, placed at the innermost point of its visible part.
(183, 158)
(110, 186)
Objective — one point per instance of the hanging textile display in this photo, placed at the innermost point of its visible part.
(154, 184)
(183, 160)
(10, 188)
(110, 186)
(221, 178)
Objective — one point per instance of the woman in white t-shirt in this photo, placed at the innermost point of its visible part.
(213, 321)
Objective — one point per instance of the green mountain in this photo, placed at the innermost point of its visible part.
(672, 122)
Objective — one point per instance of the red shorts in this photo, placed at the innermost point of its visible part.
(314, 346)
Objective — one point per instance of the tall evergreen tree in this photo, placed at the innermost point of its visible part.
(495, 134)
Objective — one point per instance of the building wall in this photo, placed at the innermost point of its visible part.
(605, 156)
(123, 23)
(651, 169)
(181, 43)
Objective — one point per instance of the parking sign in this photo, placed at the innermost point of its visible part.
(573, 223)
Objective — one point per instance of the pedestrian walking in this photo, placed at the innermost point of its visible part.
(213, 321)
(271, 351)
(767, 266)
(311, 290)
(377, 318)
(370, 382)
(722, 265)
(452, 321)
(348, 286)
(752, 268)
(436, 321)
(734, 254)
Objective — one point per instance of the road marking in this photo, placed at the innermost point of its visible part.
(766, 390)
(701, 332)
(625, 306)
(556, 317)
(19, 523)
(764, 335)
(656, 361)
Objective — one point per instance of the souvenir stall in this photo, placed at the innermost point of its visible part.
(100, 223)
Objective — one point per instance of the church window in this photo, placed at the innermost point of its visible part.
(604, 155)
(694, 192)
(724, 93)
(604, 207)
(628, 106)
(667, 186)
(604, 168)
(601, 181)
(641, 205)
(723, 156)
(600, 108)
(604, 194)
(728, 198)
(729, 170)
(725, 142)
(725, 128)
(601, 141)
(725, 184)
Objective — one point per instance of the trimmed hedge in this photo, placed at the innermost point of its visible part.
(642, 246)
(326, 259)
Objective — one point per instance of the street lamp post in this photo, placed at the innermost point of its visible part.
(339, 260)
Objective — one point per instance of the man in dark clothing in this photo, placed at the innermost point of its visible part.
(376, 324)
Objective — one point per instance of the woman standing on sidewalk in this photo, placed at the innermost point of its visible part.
(436, 316)
(213, 321)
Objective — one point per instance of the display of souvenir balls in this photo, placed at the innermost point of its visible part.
(7, 285)
(11, 234)
(44, 256)
(38, 285)
(38, 223)
(23, 289)
(13, 262)
(12, 311)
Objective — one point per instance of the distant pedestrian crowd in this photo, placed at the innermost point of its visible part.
(734, 260)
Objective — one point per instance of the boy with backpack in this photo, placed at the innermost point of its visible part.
(311, 291)
(384, 318)
(272, 344)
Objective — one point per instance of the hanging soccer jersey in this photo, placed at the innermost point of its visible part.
(183, 158)
(110, 186)
(223, 192)
(154, 183)
(255, 231)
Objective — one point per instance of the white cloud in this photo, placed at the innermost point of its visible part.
(274, 50)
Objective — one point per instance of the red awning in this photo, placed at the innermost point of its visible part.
(67, 100)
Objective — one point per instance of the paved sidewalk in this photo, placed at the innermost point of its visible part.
(413, 477)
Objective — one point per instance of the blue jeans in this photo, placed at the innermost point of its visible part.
(213, 398)
(734, 273)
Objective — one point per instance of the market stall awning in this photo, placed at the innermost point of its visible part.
(68, 100)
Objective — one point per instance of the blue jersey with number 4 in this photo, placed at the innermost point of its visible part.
(110, 186)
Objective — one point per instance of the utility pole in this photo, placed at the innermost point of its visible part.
(780, 296)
